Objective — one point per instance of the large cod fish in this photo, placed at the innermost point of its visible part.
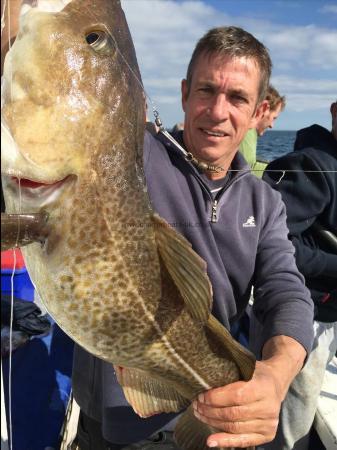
(113, 274)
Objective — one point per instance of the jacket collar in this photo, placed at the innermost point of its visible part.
(238, 165)
(316, 137)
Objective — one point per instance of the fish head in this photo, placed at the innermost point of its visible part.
(73, 119)
(67, 112)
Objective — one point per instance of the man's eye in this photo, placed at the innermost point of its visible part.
(205, 89)
(239, 98)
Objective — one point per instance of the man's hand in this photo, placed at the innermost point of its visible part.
(247, 412)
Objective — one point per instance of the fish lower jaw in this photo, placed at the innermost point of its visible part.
(32, 195)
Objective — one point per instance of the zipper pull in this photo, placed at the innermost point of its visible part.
(214, 217)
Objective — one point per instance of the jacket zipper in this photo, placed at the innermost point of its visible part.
(215, 202)
(214, 217)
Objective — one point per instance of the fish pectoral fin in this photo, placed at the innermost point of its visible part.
(187, 269)
(147, 395)
(231, 349)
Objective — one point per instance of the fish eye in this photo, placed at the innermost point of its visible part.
(99, 40)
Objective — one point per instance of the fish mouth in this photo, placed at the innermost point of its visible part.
(37, 194)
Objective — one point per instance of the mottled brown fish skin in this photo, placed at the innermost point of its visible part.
(100, 261)
(77, 113)
(83, 261)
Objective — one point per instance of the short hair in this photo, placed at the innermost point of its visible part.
(274, 98)
(177, 127)
(233, 42)
(333, 107)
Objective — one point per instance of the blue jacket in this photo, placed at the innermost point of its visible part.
(242, 235)
(311, 200)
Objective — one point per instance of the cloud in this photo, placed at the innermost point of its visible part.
(308, 46)
(304, 94)
(300, 102)
(329, 8)
(292, 84)
(166, 31)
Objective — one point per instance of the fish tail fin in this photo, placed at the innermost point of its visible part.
(232, 349)
(191, 434)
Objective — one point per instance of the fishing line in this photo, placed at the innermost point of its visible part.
(282, 170)
(134, 74)
(188, 155)
(11, 325)
(282, 176)
(10, 353)
(162, 130)
(9, 412)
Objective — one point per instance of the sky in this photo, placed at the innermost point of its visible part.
(301, 37)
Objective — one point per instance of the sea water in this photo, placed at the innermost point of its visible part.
(274, 144)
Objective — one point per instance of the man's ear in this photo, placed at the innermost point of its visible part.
(260, 111)
(184, 93)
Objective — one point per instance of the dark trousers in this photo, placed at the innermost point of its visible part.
(89, 437)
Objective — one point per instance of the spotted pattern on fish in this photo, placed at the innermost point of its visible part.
(114, 276)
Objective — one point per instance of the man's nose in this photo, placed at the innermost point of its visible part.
(218, 109)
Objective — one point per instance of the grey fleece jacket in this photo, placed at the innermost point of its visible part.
(242, 235)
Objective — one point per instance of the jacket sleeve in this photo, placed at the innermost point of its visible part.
(282, 303)
(306, 193)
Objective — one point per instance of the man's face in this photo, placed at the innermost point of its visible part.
(220, 107)
(333, 110)
(268, 119)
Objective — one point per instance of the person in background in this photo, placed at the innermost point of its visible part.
(307, 181)
(274, 104)
(177, 127)
(238, 226)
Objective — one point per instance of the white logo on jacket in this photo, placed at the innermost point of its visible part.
(250, 222)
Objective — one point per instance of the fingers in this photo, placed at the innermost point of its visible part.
(229, 414)
(242, 411)
(234, 394)
(239, 441)
(241, 427)
(245, 413)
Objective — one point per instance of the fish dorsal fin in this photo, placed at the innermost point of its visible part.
(148, 395)
(187, 269)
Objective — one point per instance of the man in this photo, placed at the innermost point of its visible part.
(309, 190)
(239, 228)
(274, 104)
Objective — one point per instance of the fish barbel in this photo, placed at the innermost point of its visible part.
(18, 230)
(113, 274)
